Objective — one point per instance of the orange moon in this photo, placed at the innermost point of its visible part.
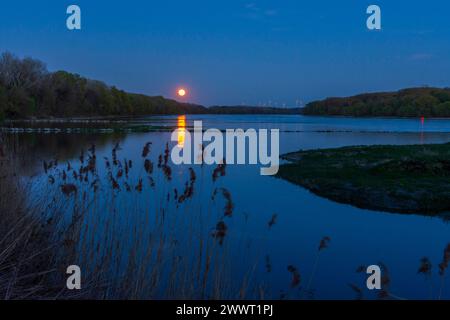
(182, 92)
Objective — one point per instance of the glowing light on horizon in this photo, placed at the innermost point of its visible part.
(182, 92)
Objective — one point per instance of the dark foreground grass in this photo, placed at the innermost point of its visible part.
(27, 259)
(133, 236)
(402, 179)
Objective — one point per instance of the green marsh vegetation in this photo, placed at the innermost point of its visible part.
(403, 179)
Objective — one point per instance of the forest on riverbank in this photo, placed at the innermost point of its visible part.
(413, 102)
(29, 90)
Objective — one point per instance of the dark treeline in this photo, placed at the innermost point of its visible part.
(28, 89)
(414, 102)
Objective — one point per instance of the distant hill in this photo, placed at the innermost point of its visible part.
(414, 102)
(251, 110)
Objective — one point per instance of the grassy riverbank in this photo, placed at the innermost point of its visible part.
(403, 179)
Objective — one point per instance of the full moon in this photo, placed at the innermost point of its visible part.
(181, 92)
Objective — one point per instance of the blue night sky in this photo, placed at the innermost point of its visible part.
(233, 52)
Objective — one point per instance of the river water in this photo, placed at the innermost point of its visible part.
(358, 237)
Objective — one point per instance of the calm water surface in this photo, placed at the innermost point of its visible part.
(358, 237)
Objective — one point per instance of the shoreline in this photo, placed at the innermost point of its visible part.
(124, 118)
(374, 117)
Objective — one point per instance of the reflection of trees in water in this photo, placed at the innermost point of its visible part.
(30, 149)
